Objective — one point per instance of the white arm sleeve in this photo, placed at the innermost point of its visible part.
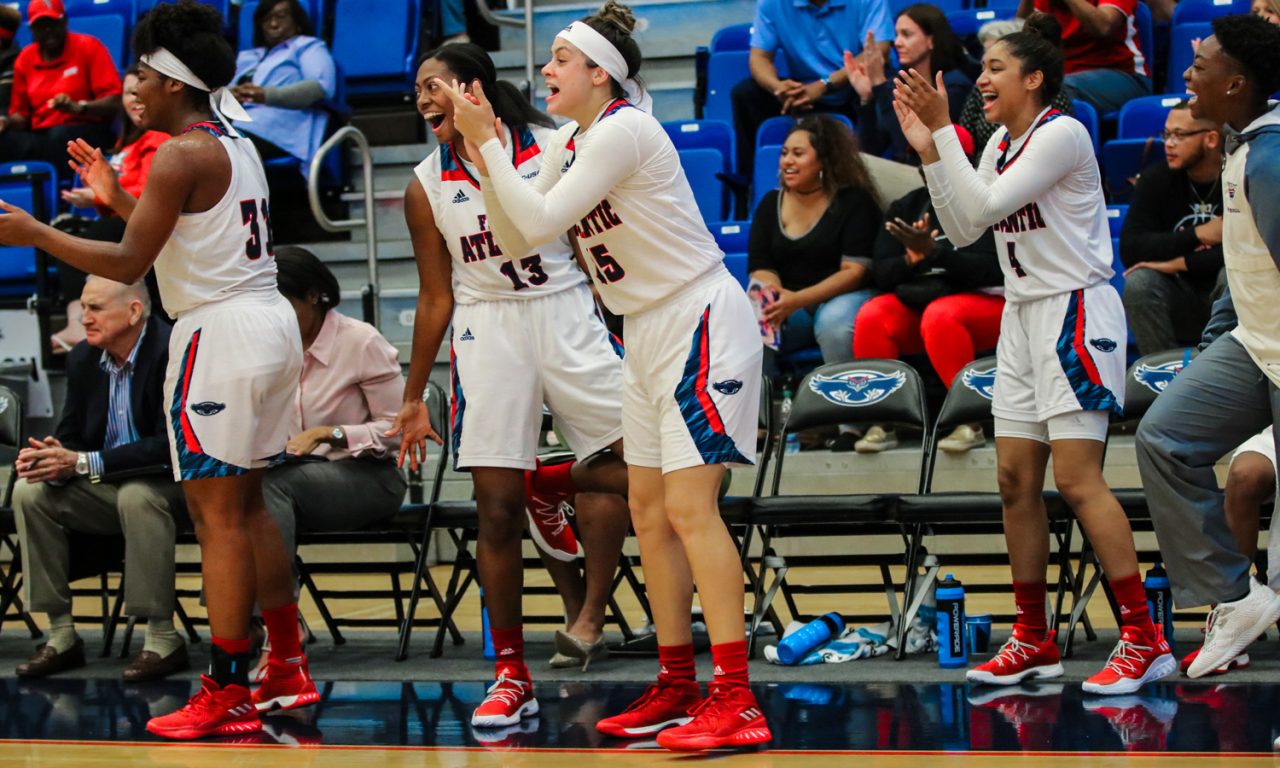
(510, 240)
(969, 201)
(610, 157)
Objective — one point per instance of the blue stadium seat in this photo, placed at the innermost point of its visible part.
(1146, 34)
(377, 50)
(765, 174)
(1115, 219)
(1181, 54)
(1088, 116)
(1122, 159)
(724, 70)
(1143, 117)
(967, 22)
(223, 6)
(735, 37)
(700, 167)
(704, 134)
(1117, 269)
(775, 129)
(111, 30)
(736, 263)
(31, 186)
(731, 236)
(1190, 11)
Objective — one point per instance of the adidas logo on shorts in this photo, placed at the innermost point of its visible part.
(461, 197)
(466, 336)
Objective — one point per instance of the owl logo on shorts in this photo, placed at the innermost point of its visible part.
(982, 382)
(1157, 377)
(854, 389)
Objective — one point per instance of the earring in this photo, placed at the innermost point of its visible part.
(820, 174)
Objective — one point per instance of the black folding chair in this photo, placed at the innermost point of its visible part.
(865, 391)
(12, 438)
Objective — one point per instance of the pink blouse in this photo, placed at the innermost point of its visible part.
(350, 378)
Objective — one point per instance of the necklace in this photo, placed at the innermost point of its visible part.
(1204, 205)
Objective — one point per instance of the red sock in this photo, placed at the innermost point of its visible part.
(508, 645)
(675, 663)
(232, 647)
(282, 631)
(554, 478)
(730, 664)
(1132, 599)
(1029, 598)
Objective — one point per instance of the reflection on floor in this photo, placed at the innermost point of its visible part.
(1184, 717)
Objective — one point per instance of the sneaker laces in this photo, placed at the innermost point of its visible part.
(718, 699)
(648, 696)
(552, 516)
(203, 699)
(508, 696)
(1127, 658)
(1014, 650)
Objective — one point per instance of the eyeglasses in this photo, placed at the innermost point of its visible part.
(1177, 137)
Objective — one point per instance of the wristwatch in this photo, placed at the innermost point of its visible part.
(82, 464)
(826, 84)
(339, 437)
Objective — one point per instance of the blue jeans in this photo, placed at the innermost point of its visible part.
(1218, 401)
(1106, 89)
(829, 325)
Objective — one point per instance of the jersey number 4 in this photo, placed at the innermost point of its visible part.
(1013, 263)
(249, 214)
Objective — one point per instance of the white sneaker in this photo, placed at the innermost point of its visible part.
(876, 440)
(1231, 627)
(962, 439)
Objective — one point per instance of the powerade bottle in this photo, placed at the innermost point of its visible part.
(952, 647)
(489, 652)
(1160, 600)
(793, 647)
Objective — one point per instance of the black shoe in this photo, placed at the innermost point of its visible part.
(843, 442)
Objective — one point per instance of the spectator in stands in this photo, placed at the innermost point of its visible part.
(113, 423)
(131, 162)
(10, 20)
(811, 37)
(281, 80)
(1105, 64)
(943, 301)
(1171, 242)
(1267, 9)
(925, 42)
(339, 472)
(972, 118)
(811, 238)
(65, 87)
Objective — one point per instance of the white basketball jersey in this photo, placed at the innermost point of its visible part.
(481, 271)
(646, 239)
(1060, 240)
(225, 251)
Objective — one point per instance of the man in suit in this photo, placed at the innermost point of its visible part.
(112, 425)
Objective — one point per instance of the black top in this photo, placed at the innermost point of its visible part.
(881, 134)
(84, 413)
(1163, 215)
(846, 229)
(966, 269)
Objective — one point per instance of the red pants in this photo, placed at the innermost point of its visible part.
(950, 331)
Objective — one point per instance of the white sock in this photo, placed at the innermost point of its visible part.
(62, 632)
(162, 638)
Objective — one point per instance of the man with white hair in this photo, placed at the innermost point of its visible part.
(113, 423)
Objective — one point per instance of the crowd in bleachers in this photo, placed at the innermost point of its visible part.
(790, 103)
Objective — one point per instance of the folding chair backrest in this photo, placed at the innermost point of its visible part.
(1149, 376)
(438, 411)
(11, 434)
(862, 391)
(969, 399)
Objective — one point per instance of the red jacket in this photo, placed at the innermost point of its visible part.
(84, 71)
(133, 165)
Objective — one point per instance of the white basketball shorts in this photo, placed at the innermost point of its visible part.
(1061, 354)
(692, 374)
(234, 367)
(510, 357)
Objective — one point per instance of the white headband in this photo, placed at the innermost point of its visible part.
(221, 101)
(598, 48)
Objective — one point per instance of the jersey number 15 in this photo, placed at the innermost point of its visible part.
(249, 214)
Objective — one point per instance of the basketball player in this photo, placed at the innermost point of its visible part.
(1061, 354)
(692, 369)
(525, 331)
(235, 356)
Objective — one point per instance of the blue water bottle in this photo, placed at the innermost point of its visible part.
(489, 652)
(1160, 600)
(793, 647)
(952, 648)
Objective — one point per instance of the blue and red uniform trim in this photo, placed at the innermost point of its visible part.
(457, 406)
(193, 462)
(1077, 361)
(701, 416)
(1004, 162)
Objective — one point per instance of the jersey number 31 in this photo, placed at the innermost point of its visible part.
(249, 214)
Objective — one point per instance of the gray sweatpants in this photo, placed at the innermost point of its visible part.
(1217, 402)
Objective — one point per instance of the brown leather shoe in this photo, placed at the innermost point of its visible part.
(150, 665)
(47, 661)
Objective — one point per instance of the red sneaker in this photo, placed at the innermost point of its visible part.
(1136, 661)
(213, 711)
(1021, 657)
(285, 686)
(661, 706)
(1142, 724)
(549, 522)
(508, 701)
(1239, 662)
(728, 717)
